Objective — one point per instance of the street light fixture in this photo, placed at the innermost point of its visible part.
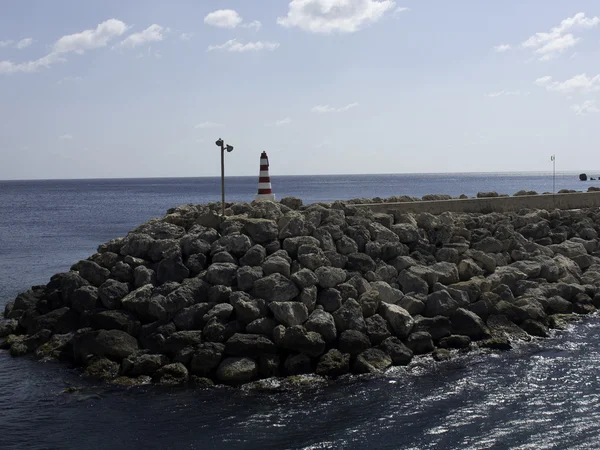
(229, 149)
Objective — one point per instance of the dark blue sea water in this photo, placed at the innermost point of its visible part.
(544, 395)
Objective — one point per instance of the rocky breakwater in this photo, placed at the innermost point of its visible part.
(279, 289)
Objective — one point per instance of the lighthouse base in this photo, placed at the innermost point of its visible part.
(265, 198)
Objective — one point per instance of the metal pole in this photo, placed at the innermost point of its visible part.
(223, 179)
(554, 174)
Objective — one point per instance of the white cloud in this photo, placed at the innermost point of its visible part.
(284, 121)
(254, 25)
(324, 109)
(578, 84)
(502, 48)
(549, 45)
(66, 137)
(329, 16)
(154, 33)
(186, 36)
(9, 67)
(234, 45)
(74, 43)
(208, 124)
(587, 107)
(24, 43)
(90, 39)
(401, 10)
(223, 18)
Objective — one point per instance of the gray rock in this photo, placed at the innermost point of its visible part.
(143, 276)
(115, 320)
(420, 343)
(275, 288)
(412, 283)
(291, 245)
(353, 342)
(236, 244)
(262, 325)
(399, 319)
(206, 358)
(193, 244)
(469, 324)
(377, 329)
(380, 233)
(163, 248)
(172, 269)
(84, 298)
(182, 339)
(224, 257)
(407, 233)
(247, 275)
(305, 278)
(372, 360)
(360, 262)
(413, 305)
(8, 327)
(291, 202)
(346, 246)
(558, 305)
(440, 303)
(369, 302)
(252, 345)
(438, 327)
(122, 272)
(329, 299)
(333, 364)
(261, 231)
(111, 292)
(387, 294)
(222, 274)
(276, 264)
(400, 354)
(254, 256)
(175, 373)
(93, 272)
(298, 339)
(488, 245)
(222, 312)
(330, 277)
(143, 364)
(289, 313)
(323, 323)
(349, 317)
(112, 344)
(308, 297)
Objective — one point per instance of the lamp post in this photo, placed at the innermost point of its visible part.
(229, 149)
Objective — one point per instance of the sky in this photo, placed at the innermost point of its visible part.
(144, 88)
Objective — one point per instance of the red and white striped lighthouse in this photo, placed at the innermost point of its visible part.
(265, 192)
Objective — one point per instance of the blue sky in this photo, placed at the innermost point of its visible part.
(144, 88)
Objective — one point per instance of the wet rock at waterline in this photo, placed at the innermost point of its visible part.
(280, 289)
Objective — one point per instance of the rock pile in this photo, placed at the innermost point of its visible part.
(280, 289)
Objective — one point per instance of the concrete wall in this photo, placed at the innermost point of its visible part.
(498, 204)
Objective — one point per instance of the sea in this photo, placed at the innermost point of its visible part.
(542, 395)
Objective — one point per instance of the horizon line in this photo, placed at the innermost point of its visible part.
(538, 172)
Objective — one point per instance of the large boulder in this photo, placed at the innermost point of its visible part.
(330, 277)
(289, 313)
(224, 274)
(372, 360)
(252, 345)
(298, 339)
(399, 319)
(112, 344)
(323, 323)
(349, 317)
(275, 288)
(469, 324)
(111, 292)
(261, 231)
(333, 364)
(400, 354)
(440, 303)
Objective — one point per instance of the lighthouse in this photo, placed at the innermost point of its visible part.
(265, 192)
